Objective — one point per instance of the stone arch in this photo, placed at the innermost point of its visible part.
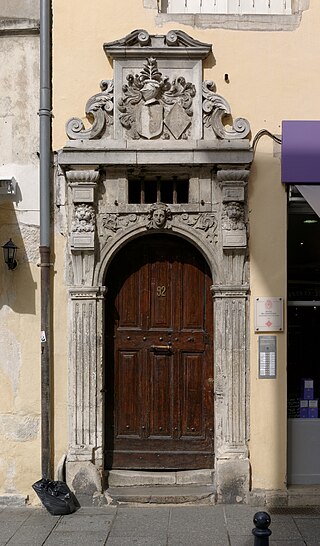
(108, 251)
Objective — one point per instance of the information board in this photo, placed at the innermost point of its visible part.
(267, 357)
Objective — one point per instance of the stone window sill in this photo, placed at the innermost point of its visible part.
(233, 22)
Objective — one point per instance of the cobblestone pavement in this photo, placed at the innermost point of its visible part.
(156, 526)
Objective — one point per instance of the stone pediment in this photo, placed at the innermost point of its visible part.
(158, 94)
(175, 43)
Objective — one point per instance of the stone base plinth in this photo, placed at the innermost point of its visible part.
(233, 480)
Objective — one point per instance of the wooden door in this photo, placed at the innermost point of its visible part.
(159, 357)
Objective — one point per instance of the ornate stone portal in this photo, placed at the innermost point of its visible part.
(157, 121)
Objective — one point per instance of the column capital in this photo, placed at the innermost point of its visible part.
(87, 292)
(232, 175)
(225, 291)
(82, 184)
(82, 177)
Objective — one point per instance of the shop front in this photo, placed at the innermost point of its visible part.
(300, 165)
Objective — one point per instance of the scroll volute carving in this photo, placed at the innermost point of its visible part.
(216, 109)
(99, 113)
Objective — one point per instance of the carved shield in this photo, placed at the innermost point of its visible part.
(149, 120)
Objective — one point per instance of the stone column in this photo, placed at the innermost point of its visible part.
(84, 459)
(230, 348)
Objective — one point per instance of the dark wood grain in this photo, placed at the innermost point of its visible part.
(159, 357)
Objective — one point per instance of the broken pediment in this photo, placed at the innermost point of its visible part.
(157, 93)
(175, 43)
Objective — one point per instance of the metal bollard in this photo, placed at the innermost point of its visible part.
(261, 532)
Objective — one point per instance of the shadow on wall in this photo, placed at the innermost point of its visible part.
(18, 287)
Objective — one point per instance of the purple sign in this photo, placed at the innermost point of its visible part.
(300, 152)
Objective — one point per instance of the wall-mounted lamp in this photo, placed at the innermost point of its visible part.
(8, 186)
(9, 254)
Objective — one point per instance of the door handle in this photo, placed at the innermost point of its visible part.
(161, 349)
(210, 382)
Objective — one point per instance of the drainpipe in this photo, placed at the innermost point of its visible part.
(44, 249)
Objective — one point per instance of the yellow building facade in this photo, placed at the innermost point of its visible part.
(169, 249)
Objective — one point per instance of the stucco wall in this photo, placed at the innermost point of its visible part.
(272, 76)
(19, 302)
(267, 204)
(24, 9)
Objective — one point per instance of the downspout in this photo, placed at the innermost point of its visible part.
(44, 249)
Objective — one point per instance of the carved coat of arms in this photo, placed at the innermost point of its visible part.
(150, 102)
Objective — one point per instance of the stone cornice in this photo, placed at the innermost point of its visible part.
(20, 26)
(92, 153)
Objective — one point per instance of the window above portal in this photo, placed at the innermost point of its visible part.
(160, 189)
(234, 7)
(273, 15)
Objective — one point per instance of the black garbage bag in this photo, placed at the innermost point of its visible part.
(56, 497)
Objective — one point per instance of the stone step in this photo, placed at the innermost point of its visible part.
(126, 478)
(162, 494)
(303, 495)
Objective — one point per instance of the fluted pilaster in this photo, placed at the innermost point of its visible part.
(85, 376)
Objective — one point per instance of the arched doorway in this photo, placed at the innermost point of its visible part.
(159, 357)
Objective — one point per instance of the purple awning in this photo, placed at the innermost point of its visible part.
(300, 152)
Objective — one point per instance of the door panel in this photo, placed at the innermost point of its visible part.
(127, 410)
(191, 399)
(193, 309)
(161, 395)
(159, 357)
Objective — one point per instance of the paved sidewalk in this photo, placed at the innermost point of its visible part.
(154, 526)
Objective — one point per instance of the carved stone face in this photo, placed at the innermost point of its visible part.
(84, 214)
(234, 212)
(159, 218)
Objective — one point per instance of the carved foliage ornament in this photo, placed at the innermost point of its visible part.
(115, 222)
(215, 109)
(160, 217)
(150, 101)
(204, 221)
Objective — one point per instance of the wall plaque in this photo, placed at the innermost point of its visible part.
(268, 314)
